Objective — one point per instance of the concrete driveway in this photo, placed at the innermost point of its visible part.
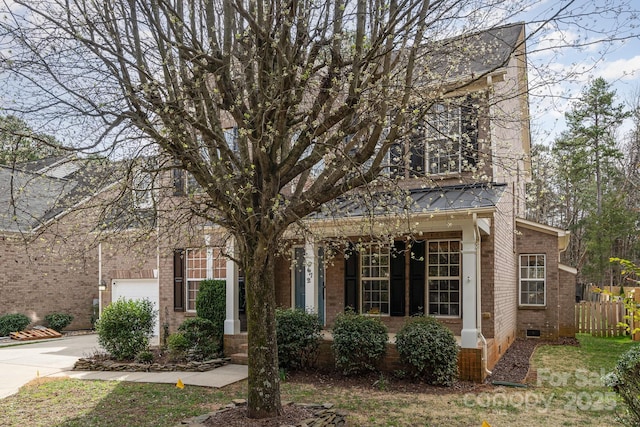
(22, 363)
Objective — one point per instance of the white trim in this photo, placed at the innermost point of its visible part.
(535, 279)
(460, 278)
(568, 269)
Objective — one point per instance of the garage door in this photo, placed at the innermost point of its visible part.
(137, 289)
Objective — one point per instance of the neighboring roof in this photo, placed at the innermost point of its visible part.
(425, 200)
(472, 55)
(30, 197)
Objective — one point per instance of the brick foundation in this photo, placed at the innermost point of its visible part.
(470, 367)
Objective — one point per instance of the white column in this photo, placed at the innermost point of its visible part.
(469, 334)
(310, 277)
(232, 321)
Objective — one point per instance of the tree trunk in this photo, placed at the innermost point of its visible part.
(264, 380)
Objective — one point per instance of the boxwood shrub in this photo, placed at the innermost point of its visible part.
(429, 350)
(211, 305)
(359, 342)
(201, 335)
(13, 323)
(58, 321)
(126, 327)
(626, 383)
(298, 337)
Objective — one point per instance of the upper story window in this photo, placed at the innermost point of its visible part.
(142, 189)
(533, 275)
(444, 142)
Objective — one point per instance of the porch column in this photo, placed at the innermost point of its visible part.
(469, 334)
(232, 321)
(310, 277)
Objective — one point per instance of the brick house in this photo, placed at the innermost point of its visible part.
(47, 263)
(461, 251)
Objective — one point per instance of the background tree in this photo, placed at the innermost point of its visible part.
(19, 143)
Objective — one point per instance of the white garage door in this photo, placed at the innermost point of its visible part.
(137, 289)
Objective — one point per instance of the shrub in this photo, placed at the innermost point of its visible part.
(200, 333)
(13, 323)
(177, 342)
(359, 342)
(429, 349)
(627, 385)
(298, 337)
(211, 305)
(58, 321)
(126, 327)
(145, 356)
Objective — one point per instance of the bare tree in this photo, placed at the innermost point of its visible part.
(319, 91)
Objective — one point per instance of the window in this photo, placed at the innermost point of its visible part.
(446, 140)
(374, 279)
(142, 190)
(442, 138)
(203, 263)
(443, 275)
(532, 279)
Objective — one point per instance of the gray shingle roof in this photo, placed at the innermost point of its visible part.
(29, 198)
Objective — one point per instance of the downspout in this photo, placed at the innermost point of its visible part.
(99, 280)
(485, 350)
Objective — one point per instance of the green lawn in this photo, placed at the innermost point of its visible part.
(567, 392)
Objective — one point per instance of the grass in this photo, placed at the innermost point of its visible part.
(567, 392)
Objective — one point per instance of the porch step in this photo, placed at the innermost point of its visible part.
(240, 359)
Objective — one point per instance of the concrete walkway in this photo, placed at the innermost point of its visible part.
(22, 363)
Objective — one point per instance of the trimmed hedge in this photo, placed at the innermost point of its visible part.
(125, 328)
(201, 334)
(298, 337)
(13, 323)
(429, 349)
(58, 321)
(359, 342)
(211, 304)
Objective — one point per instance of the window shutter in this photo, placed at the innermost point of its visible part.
(396, 160)
(351, 280)
(178, 182)
(417, 278)
(469, 119)
(178, 280)
(417, 152)
(397, 279)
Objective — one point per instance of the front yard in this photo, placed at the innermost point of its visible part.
(565, 392)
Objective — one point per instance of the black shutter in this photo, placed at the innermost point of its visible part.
(396, 159)
(351, 280)
(397, 279)
(469, 138)
(417, 278)
(178, 280)
(178, 182)
(417, 152)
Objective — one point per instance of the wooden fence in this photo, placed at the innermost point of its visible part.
(600, 318)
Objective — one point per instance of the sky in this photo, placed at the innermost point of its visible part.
(593, 38)
(596, 41)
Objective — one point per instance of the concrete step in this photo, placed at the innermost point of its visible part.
(240, 359)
